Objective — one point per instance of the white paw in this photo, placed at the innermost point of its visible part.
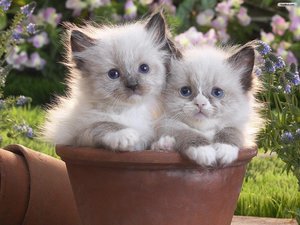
(164, 143)
(226, 153)
(124, 140)
(203, 155)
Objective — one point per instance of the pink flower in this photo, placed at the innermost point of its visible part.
(145, 2)
(39, 40)
(50, 16)
(296, 33)
(223, 35)
(279, 25)
(220, 23)
(294, 15)
(189, 38)
(291, 58)
(224, 8)
(192, 37)
(205, 17)
(236, 3)
(17, 59)
(35, 61)
(267, 37)
(287, 55)
(166, 4)
(130, 10)
(243, 17)
(210, 37)
(76, 5)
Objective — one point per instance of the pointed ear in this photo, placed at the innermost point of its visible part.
(157, 26)
(173, 49)
(244, 59)
(80, 41)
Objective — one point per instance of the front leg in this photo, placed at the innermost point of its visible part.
(109, 135)
(227, 143)
(174, 135)
(196, 147)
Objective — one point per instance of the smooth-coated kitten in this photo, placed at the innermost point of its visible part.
(210, 104)
(116, 77)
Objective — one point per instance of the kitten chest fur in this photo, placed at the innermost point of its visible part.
(139, 117)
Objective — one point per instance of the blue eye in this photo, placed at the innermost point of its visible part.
(185, 91)
(113, 74)
(217, 92)
(144, 68)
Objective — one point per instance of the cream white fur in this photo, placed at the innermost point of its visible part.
(94, 98)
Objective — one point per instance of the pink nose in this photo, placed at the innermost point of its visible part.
(201, 105)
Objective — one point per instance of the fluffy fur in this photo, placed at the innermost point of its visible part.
(118, 113)
(205, 128)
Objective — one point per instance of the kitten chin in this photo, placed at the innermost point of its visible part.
(210, 104)
(115, 81)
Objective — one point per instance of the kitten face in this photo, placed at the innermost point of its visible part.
(207, 84)
(121, 65)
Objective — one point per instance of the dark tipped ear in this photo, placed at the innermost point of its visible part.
(244, 58)
(80, 41)
(173, 49)
(157, 25)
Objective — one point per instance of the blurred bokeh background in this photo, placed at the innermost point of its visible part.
(38, 74)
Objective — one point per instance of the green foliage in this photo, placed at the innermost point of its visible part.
(268, 191)
(34, 117)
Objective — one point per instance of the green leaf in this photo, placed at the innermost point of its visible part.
(208, 4)
(184, 11)
(3, 21)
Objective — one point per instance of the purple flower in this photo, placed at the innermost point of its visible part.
(270, 66)
(28, 9)
(39, 40)
(35, 61)
(257, 72)
(5, 4)
(280, 64)
(296, 79)
(263, 48)
(16, 35)
(29, 132)
(287, 89)
(22, 100)
(31, 28)
(287, 137)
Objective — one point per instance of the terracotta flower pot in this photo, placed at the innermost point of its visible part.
(34, 189)
(151, 188)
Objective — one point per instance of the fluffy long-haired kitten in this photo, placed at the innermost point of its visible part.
(210, 104)
(116, 77)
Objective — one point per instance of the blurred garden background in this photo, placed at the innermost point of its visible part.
(34, 50)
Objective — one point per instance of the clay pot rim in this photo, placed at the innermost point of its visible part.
(146, 158)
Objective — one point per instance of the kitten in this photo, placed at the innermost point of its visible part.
(117, 74)
(210, 104)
